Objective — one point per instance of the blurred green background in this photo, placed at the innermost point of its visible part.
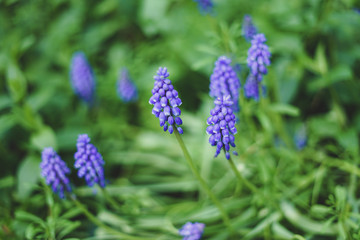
(313, 81)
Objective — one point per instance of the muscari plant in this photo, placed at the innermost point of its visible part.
(125, 87)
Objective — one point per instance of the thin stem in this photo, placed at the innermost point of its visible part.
(203, 184)
(100, 224)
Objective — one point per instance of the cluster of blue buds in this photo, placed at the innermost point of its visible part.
(222, 126)
(300, 138)
(166, 102)
(89, 162)
(248, 28)
(205, 6)
(224, 81)
(192, 231)
(82, 77)
(126, 89)
(54, 170)
(258, 59)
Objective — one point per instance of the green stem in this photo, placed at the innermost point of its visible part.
(203, 184)
(110, 199)
(100, 224)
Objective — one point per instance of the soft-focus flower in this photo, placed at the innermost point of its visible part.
(126, 89)
(54, 170)
(248, 28)
(89, 162)
(222, 126)
(205, 6)
(82, 77)
(166, 102)
(258, 58)
(224, 81)
(300, 138)
(192, 231)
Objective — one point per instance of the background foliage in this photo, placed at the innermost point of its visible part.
(313, 82)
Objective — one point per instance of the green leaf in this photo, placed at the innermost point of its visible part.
(33, 231)
(68, 228)
(349, 140)
(16, 82)
(28, 174)
(285, 109)
(44, 138)
(28, 217)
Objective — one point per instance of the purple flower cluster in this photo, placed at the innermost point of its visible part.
(54, 170)
(224, 81)
(300, 138)
(166, 102)
(192, 231)
(248, 28)
(89, 162)
(126, 89)
(205, 6)
(82, 77)
(222, 126)
(258, 59)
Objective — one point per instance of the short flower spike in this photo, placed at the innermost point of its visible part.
(166, 102)
(126, 89)
(54, 170)
(222, 126)
(89, 162)
(248, 28)
(224, 81)
(82, 77)
(192, 231)
(205, 6)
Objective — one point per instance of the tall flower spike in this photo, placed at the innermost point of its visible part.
(82, 77)
(126, 89)
(166, 102)
(224, 81)
(192, 231)
(205, 6)
(89, 162)
(54, 170)
(258, 58)
(222, 126)
(248, 28)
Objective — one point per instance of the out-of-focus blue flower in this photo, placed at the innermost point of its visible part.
(222, 126)
(54, 170)
(357, 10)
(205, 6)
(258, 59)
(224, 81)
(166, 102)
(248, 28)
(126, 89)
(89, 162)
(192, 231)
(300, 138)
(82, 77)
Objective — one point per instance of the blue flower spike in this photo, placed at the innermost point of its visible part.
(126, 88)
(192, 231)
(54, 170)
(222, 126)
(166, 102)
(89, 162)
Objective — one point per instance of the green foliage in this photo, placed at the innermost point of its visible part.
(313, 81)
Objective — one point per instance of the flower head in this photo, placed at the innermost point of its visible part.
(300, 138)
(248, 28)
(54, 170)
(82, 77)
(126, 89)
(222, 126)
(224, 81)
(89, 162)
(166, 102)
(258, 59)
(192, 231)
(205, 6)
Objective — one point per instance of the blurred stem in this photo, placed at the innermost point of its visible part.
(110, 199)
(50, 219)
(100, 224)
(211, 195)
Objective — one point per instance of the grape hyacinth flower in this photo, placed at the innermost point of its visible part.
(89, 162)
(258, 58)
(205, 6)
(54, 170)
(126, 89)
(222, 126)
(82, 77)
(300, 138)
(224, 81)
(166, 102)
(192, 231)
(248, 28)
